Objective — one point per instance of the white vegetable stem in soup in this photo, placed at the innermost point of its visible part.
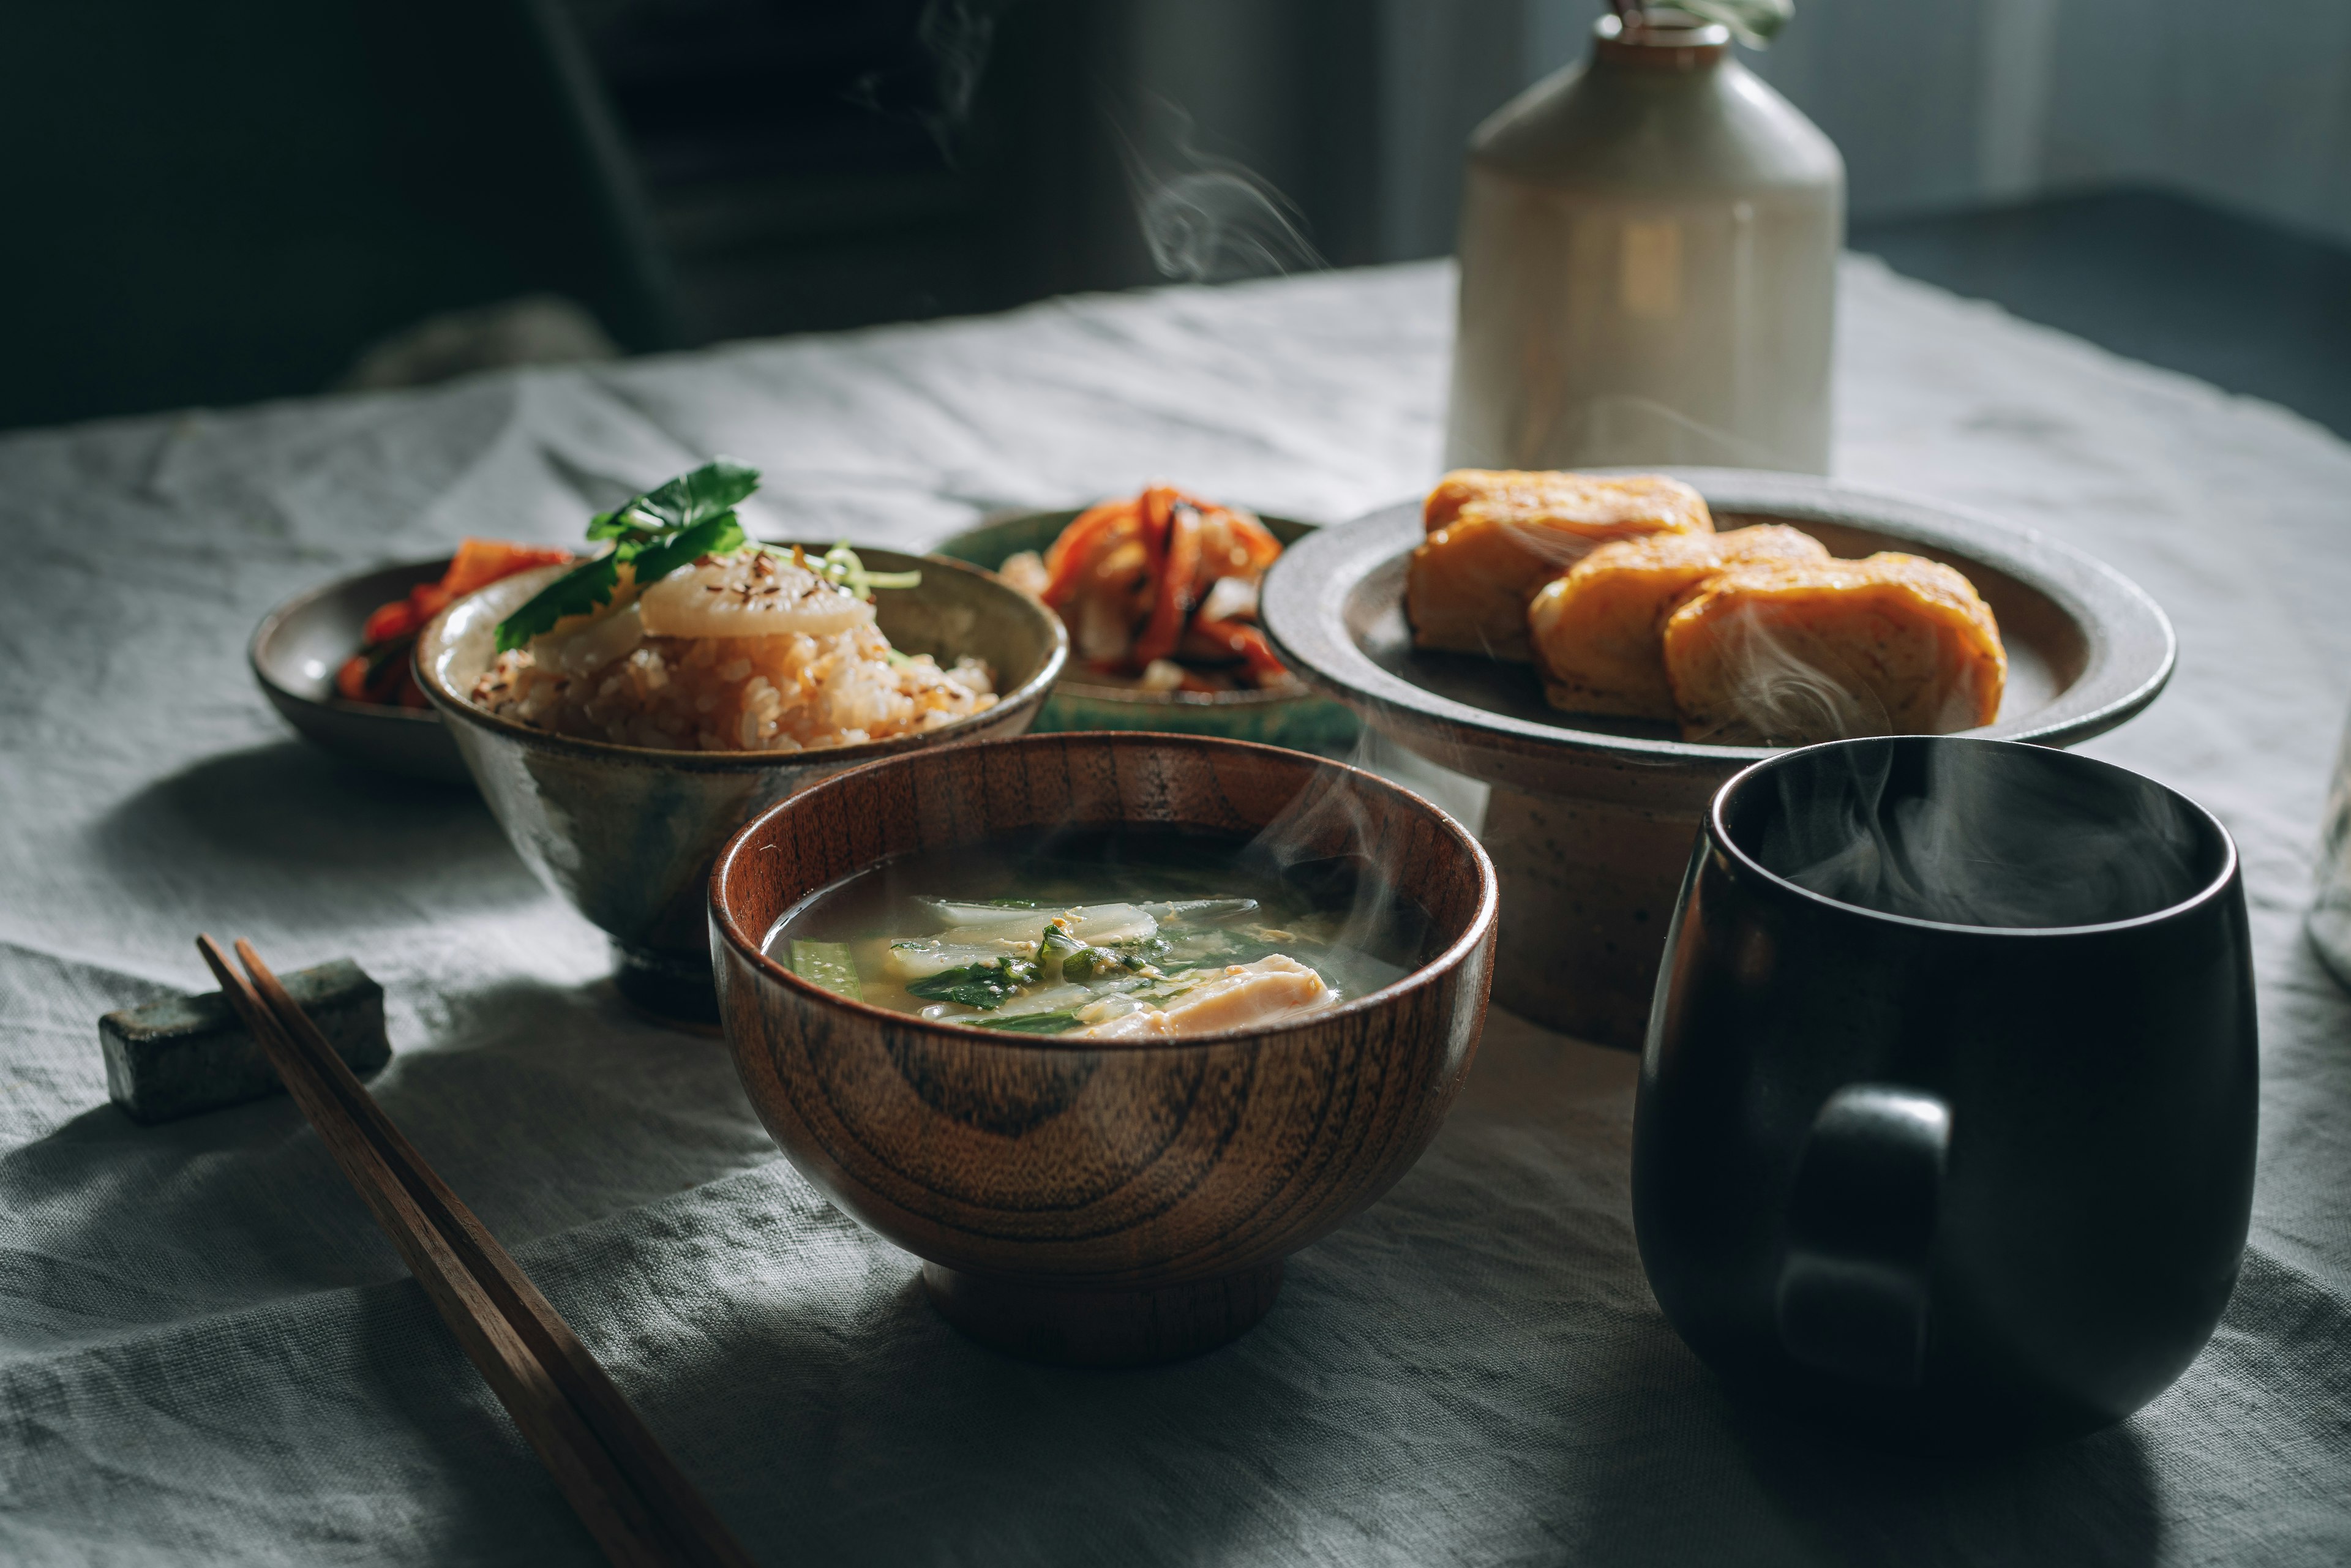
(1094, 934)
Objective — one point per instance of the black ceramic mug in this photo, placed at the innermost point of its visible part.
(1946, 1117)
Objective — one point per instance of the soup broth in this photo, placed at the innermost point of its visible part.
(1100, 934)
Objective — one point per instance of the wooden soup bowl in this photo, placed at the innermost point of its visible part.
(1101, 1203)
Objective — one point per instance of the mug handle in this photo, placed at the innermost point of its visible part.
(1861, 1226)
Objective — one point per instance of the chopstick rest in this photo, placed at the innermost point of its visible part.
(183, 1055)
(611, 1469)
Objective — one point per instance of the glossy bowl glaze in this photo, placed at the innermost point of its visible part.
(626, 834)
(1592, 821)
(300, 645)
(1301, 720)
(1102, 1202)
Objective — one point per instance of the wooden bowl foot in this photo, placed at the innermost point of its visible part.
(1103, 1328)
(668, 987)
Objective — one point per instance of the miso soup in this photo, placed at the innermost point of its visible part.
(1106, 934)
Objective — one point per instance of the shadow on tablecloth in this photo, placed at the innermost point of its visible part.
(277, 833)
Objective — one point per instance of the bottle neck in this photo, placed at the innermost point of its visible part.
(1659, 39)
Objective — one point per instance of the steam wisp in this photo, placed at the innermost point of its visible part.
(1325, 843)
(1206, 219)
(1974, 835)
(957, 35)
(1788, 695)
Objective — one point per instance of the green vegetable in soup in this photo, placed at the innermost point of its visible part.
(1060, 1022)
(828, 964)
(984, 986)
(1151, 935)
(1066, 954)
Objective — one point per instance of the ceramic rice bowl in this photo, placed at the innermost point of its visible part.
(626, 834)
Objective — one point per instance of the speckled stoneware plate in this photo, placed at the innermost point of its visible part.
(298, 646)
(1301, 721)
(1591, 820)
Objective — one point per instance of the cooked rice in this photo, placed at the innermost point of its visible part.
(742, 694)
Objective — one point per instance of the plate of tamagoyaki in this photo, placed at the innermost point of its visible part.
(1631, 603)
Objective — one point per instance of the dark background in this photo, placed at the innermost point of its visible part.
(235, 201)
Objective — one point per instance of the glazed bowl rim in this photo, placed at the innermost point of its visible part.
(1478, 928)
(272, 624)
(1030, 693)
(1718, 833)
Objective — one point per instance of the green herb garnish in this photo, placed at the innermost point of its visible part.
(839, 567)
(657, 532)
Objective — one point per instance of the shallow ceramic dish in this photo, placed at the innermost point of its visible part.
(296, 650)
(1101, 1202)
(626, 834)
(1592, 821)
(1300, 720)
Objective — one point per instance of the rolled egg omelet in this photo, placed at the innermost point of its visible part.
(1597, 634)
(1496, 535)
(1789, 652)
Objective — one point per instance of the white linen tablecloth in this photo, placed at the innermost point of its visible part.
(208, 1355)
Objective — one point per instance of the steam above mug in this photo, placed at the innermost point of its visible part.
(1648, 266)
(1945, 1120)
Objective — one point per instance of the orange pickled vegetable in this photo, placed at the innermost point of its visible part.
(480, 562)
(1081, 543)
(1253, 537)
(1134, 572)
(397, 619)
(381, 671)
(1247, 644)
(427, 600)
(1085, 527)
(1172, 604)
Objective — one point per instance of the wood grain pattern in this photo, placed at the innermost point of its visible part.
(1101, 1201)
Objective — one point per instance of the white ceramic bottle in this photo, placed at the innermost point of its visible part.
(1648, 266)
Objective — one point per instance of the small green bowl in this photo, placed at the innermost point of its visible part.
(1298, 720)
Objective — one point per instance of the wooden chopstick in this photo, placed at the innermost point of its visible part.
(611, 1469)
(638, 1454)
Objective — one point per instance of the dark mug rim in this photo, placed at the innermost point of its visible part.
(1718, 833)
